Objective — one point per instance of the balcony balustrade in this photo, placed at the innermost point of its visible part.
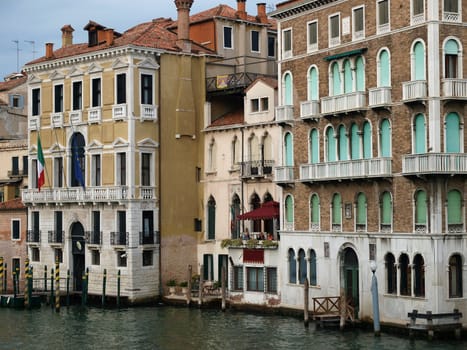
(434, 163)
(284, 174)
(56, 120)
(119, 112)
(379, 97)
(343, 103)
(34, 122)
(309, 110)
(346, 169)
(451, 17)
(33, 236)
(94, 237)
(149, 112)
(414, 90)
(417, 19)
(94, 115)
(76, 117)
(56, 237)
(119, 238)
(257, 168)
(284, 113)
(149, 238)
(454, 88)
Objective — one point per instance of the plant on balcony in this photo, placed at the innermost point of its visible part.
(251, 243)
(236, 242)
(270, 244)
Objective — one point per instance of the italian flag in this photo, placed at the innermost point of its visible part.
(40, 165)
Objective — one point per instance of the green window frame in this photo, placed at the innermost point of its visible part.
(454, 207)
(453, 134)
(420, 134)
(419, 61)
(348, 80)
(314, 209)
(385, 138)
(314, 146)
(289, 209)
(288, 100)
(386, 209)
(360, 74)
(421, 209)
(343, 143)
(331, 145)
(313, 84)
(361, 217)
(336, 209)
(336, 79)
(367, 154)
(288, 145)
(384, 69)
(292, 267)
(354, 142)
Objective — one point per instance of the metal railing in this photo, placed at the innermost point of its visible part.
(230, 81)
(56, 236)
(33, 236)
(119, 238)
(94, 237)
(149, 238)
(257, 168)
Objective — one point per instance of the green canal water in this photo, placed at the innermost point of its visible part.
(181, 328)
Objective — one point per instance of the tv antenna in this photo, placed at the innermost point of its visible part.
(33, 43)
(17, 54)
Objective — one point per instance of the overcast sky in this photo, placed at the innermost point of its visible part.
(41, 20)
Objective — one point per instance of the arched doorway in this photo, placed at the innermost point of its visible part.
(77, 250)
(349, 277)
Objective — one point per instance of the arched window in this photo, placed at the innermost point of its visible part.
(234, 212)
(451, 59)
(292, 267)
(453, 133)
(420, 134)
(455, 276)
(405, 275)
(335, 79)
(418, 62)
(313, 84)
(288, 97)
(211, 218)
(288, 149)
(314, 146)
(360, 74)
(421, 211)
(391, 274)
(255, 203)
(253, 148)
(385, 138)
(235, 159)
(313, 270)
(336, 212)
(314, 212)
(348, 81)
(266, 154)
(302, 266)
(455, 221)
(330, 145)
(212, 154)
(367, 140)
(361, 218)
(343, 152)
(354, 142)
(419, 276)
(386, 212)
(78, 162)
(289, 212)
(384, 69)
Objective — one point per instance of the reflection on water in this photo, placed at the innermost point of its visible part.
(167, 328)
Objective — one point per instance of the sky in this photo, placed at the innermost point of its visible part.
(40, 21)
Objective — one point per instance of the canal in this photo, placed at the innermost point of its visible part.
(168, 328)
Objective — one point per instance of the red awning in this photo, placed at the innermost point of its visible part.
(269, 210)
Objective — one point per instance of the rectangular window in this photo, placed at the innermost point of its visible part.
(16, 265)
(208, 273)
(58, 98)
(58, 172)
(451, 6)
(121, 88)
(35, 254)
(58, 226)
(36, 101)
(271, 279)
(146, 89)
(358, 28)
(96, 92)
(34, 173)
(312, 36)
(148, 228)
(418, 7)
(14, 166)
(35, 226)
(334, 30)
(222, 261)
(145, 169)
(15, 229)
(16, 101)
(121, 258)
(255, 105)
(264, 104)
(25, 165)
(254, 41)
(383, 16)
(96, 170)
(148, 258)
(96, 221)
(255, 279)
(287, 43)
(77, 95)
(237, 278)
(95, 257)
(121, 169)
(271, 46)
(450, 66)
(228, 42)
(58, 252)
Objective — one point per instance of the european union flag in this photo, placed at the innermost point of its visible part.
(77, 171)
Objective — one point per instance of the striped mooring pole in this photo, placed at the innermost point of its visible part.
(27, 302)
(5, 279)
(52, 298)
(13, 275)
(45, 278)
(118, 289)
(1, 273)
(57, 286)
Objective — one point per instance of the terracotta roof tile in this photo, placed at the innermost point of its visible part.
(12, 204)
(267, 80)
(231, 118)
(10, 84)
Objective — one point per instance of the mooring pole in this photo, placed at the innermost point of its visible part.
(223, 284)
(17, 280)
(1, 272)
(201, 282)
(104, 279)
(45, 278)
(57, 286)
(13, 273)
(188, 294)
(68, 287)
(374, 294)
(306, 288)
(118, 289)
(29, 282)
(26, 284)
(52, 298)
(5, 280)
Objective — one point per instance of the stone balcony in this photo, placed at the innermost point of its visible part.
(284, 113)
(309, 110)
(414, 90)
(284, 175)
(435, 164)
(342, 104)
(454, 89)
(379, 97)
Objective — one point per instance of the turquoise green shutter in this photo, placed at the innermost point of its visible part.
(419, 61)
(211, 218)
(366, 140)
(313, 85)
(336, 79)
(384, 69)
(336, 209)
(451, 47)
(452, 133)
(348, 83)
(331, 145)
(454, 207)
(289, 209)
(288, 89)
(420, 134)
(385, 139)
(314, 151)
(313, 271)
(361, 209)
(342, 143)
(360, 73)
(288, 150)
(386, 210)
(355, 142)
(292, 267)
(314, 209)
(421, 208)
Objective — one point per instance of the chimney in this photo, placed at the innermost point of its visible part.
(67, 35)
(241, 9)
(49, 50)
(262, 17)
(183, 24)
(109, 36)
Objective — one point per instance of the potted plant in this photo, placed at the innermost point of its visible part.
(172, 284)
(184, 286)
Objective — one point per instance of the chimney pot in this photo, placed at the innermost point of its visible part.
(183, 24)
(262, 17)
(49, 50)
(241, 9)
(109, 36)
(67, 35)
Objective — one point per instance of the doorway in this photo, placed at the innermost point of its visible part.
(77, 242)
(349, 270)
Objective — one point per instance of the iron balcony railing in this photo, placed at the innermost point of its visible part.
(434, 163)
(257, 168)
(94, 237)
(149, 238)
(119, 238)
(230, 81)
(33, 236)
(56, 236)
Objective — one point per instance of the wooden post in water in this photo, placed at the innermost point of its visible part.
(27, 303)
(223, 286)
(305, 302)
(68, 287)
(104, 279)
(57, 286)
(5, 279)
(188, 293)
(52, 298)
(45, 278)
(201, 282)
(343, 309)
(118, 289)
(1, 273)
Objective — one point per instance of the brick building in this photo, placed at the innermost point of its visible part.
(373, 163)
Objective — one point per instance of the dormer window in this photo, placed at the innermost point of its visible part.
(92, 35)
